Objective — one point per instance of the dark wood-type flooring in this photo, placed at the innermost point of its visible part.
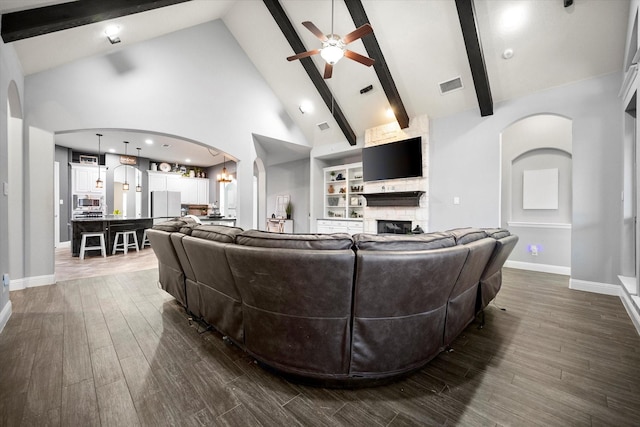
(117, 351)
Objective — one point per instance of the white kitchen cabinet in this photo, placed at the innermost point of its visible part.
(203, 191)
(337, 226)
(157, 182)
(193, 191)
(174, 182)
(189, 191)
(84, 179)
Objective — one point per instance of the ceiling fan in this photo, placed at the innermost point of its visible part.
(334, 47)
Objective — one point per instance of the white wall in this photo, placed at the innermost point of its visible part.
(465, 162)
(534, 143)
(10, 71)
(291, 178)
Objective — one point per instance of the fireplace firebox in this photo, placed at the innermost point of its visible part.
(393, 227)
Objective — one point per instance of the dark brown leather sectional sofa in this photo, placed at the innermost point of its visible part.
(333, 306)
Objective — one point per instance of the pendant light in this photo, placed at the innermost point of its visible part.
(125, 185)
(99, 183)
(138, 184)
(224, 177)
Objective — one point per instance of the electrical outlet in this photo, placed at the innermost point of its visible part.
(456, 200)
(534, 250)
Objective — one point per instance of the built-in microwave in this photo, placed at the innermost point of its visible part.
(88, 203)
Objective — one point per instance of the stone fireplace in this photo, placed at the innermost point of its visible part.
(386, 226)
(418, 212)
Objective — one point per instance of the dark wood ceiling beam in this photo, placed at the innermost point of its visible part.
(466, 15)
(44, 20)
(281, 18)
(359, 16)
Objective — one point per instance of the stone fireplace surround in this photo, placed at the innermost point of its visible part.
(415, 215)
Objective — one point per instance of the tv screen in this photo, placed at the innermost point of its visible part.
(402, 159)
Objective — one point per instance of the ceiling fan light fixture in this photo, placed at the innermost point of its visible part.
(332, 50)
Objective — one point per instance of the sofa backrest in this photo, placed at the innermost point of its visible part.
(219, 302)
(491, 279)
(403, 242)
(265, 239)
(296, 297)
(400, 303)
(216, 233)
(467, 235)
(170, 272)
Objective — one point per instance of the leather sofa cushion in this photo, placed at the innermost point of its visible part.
(218, 233)
(403, 242)
(467, 235)
(257, 238)
(170, 226)
(188, 228)
(497, 233)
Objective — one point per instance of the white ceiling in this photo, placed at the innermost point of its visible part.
(420, 39)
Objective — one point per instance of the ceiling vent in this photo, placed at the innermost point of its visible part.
(323, 126)
(451, 85)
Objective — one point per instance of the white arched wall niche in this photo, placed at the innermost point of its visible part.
(536, 143)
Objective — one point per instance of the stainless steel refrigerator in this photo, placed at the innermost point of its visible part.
(165, 204)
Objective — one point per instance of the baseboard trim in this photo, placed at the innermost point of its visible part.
(542, 268)
(31, 282)
(595, 287)
(5, 314)
(632, 310)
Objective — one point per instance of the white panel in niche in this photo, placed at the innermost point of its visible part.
(540, 189)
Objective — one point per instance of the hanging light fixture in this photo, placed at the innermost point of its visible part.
(125, 184)
(99, 183)
(224, 176)
(138, 184)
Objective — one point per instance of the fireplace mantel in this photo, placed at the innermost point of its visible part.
(399, 198)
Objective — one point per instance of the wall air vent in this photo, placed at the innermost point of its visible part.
(323, 126)
(451, 85)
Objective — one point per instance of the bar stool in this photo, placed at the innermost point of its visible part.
(84, 247)
(125, 245)
(145, 239)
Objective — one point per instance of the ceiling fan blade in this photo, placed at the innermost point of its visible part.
(365, 60)
(357, 33)
(303, 54)
(315, 30)
(328, 70)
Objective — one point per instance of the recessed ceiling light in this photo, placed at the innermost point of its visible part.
(166, 145)
(112, 32)
(305, 107)
(187, 160)
(148, 141)
(390, 113)
(112, 150)
(507, 54)
(513, 18)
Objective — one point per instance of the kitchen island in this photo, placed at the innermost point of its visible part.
(109, 224)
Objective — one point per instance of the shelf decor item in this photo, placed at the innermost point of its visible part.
(288, 210)
(331, 189)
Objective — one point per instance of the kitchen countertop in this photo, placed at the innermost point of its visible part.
(109, 218)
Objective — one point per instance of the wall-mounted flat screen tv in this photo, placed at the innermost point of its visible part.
(402, 159)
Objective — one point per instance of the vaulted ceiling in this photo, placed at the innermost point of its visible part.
(417, 44)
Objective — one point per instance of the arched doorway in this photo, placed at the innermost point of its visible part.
(536, 191)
